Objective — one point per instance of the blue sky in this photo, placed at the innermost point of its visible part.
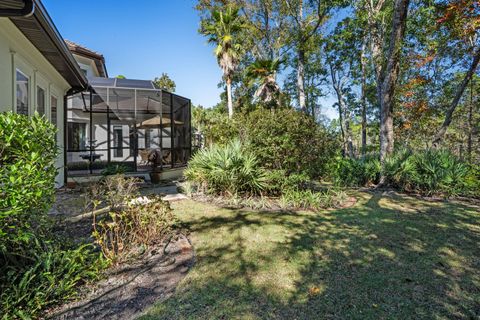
(141, 39)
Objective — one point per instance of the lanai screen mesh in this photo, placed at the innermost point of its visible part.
(125, 122)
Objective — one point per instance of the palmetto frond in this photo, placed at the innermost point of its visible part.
(264, 71)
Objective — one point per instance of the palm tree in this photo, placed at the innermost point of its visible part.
(222, 29)
(264, 72)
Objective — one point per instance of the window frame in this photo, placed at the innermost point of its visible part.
(29, 86)
(45, 104)
(117, 141)
(55, 123)
(70, 146)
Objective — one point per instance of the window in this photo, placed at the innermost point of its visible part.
(53, 104)
(40, 101)
(132, 141)
(76, 139)
(117, 141)
(148, 138)
(22, 93)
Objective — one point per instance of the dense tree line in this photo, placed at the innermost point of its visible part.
(403, 72)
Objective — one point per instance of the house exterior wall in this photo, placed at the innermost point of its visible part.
(88, 65)
(17, 53)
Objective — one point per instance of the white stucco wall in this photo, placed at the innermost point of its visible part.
(88, 65)
(16, 52)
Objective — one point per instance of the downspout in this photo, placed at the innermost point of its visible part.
(26, 11)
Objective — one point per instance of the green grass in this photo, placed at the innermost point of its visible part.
(387, 257)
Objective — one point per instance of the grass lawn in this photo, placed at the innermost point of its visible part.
(388, 257)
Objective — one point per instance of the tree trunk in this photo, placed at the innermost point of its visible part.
(363, 62)
(348, 131)
(342, 129)
(301, 60)
(343, 116)
(389, 81)
(301, 80)
(470, 124)
(458, 95)
(229, 98)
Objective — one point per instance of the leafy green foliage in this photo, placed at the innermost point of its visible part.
(309, 199)
(36, 269)
(51, 278)
(427, 172)
(165, 82)
(114, 168)
(214, 124)
(228, 169)
(356, 172)
(27, 177)
(278, 181)
(288, 140)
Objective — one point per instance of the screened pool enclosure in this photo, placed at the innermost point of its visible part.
(129, 123)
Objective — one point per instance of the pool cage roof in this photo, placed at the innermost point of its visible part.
(125, 97)
(140, 105)
(121, 83)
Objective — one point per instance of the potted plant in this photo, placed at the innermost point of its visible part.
(155, 160)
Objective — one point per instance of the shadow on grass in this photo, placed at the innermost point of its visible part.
(389, 256)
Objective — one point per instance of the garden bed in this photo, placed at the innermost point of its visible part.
(144, 276)
(128, 289)
(265, 203)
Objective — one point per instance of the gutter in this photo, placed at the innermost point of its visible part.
(51, 31)
(27, 10)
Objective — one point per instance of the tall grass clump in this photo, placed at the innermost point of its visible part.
(226, 170)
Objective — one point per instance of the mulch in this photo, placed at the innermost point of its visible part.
(129, 289)
(126, 290)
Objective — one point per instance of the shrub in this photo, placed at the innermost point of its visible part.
(356, 172)
(278, 181)
(288, 140)
(472, 181)
(139, 224)
(228, 169)
(216, 127)
(429, 172)
(27, 177)
(36, 269)
(132, 222)
(113, 191)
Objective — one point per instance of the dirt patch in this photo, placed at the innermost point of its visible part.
(350, 202)
(128, 290)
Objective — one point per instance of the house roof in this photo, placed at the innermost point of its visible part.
(88, 53)
(42, 33)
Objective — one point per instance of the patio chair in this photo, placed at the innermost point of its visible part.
(143, 156)
(167, 157)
